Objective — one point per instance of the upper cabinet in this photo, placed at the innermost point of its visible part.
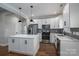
(66, 16)
(60, 21)
(74, 15)
(55, 23)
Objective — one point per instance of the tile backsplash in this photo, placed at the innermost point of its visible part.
(52, 30)
(74, 32)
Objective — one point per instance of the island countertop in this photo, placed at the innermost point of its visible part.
(25, 35)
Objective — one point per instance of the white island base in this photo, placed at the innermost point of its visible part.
(24, 44)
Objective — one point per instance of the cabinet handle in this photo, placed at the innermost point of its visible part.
(25, 41)
(13, 40)
(64, 23)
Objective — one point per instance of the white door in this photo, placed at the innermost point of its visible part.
(16, 44)
(13, 44)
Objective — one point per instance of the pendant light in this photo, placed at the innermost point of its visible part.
(31, 20)
(20, 13)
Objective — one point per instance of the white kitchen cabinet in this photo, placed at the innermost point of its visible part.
(61, 22)
(66, 16)
(24, 44)
(52, 38)
(74, 15)
(66, 20)
(69, 48)
(40, 37)
(55, 41)
(13, 44)
(71, 15)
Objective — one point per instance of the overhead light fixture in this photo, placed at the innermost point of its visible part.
(20, 14)
(20, 8)
(61, 5)
(31, 20)
(19, 21)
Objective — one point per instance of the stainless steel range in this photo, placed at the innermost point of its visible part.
(46, 33)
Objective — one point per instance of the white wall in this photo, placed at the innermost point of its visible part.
(9, 25)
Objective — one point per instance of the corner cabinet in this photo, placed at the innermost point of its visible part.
(27, 46)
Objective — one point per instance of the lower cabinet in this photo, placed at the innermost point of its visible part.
(52, 38)
(13, 44)
(28, 46)
(69, 48)
(40, 37)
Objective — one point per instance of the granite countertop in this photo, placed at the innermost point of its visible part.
(65, 37)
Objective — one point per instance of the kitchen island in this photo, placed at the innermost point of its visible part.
(24, 43)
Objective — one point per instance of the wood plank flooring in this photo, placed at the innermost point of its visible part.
(44, 50)
(3, 51)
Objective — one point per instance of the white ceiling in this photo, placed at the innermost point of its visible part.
(39, 9)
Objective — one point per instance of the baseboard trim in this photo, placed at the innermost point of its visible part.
(3, 44)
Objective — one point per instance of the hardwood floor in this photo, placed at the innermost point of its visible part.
(3, 51)
(45, 50)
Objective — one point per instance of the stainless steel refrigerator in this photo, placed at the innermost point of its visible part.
(33, 29)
